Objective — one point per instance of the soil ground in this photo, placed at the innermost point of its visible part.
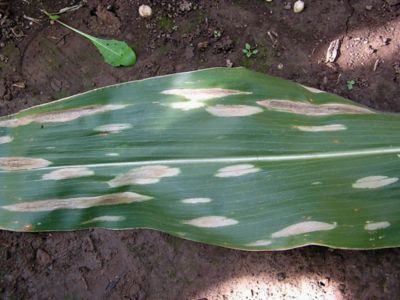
(40, 62)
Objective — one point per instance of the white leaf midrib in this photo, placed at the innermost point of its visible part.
(234, 160)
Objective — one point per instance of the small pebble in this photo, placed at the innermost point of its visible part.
(185, 6)
(145, 11)
(298, 6)
(42, 257)
(229, 63)
(369, 7)
(202, 46)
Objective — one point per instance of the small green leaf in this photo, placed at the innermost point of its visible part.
(245, 51)
(255, 51)
(350, 84)
(115, 53)
(247, 46)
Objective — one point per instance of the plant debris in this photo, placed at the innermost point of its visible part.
(333, 51)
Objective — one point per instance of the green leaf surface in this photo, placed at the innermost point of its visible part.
(115, 53)
(227, 157)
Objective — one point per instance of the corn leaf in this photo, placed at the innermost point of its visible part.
(227, 157)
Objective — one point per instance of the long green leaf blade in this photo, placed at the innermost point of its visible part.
(222, 156)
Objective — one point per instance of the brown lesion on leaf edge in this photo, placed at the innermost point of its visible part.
(309, 109)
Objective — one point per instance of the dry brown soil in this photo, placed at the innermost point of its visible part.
(40, 63)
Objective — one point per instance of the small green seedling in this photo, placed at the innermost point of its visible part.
(350, 84)
(115, 53)
(248, 51)
(217, 34)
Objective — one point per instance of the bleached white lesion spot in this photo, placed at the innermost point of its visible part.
(211, 222)
(68, 173)
(144, 175)
(203, 94)
(105, 219)
(6, 139)
(77, 203)
(196, 200)
(377, 225)
(237, 170)
(22, 163)
(233, 110)
(113, 128)
(10, 123)
(74, 113)
(112, 154)
(197, 97)
(323, 128)
(374, 182)
(311, 89)
(260, 243)
(60, 116)
(310, 109)
(302, 228)
(188, 105)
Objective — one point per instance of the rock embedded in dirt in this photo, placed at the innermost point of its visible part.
(185, 6)
(202, 46)
(42, 257)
